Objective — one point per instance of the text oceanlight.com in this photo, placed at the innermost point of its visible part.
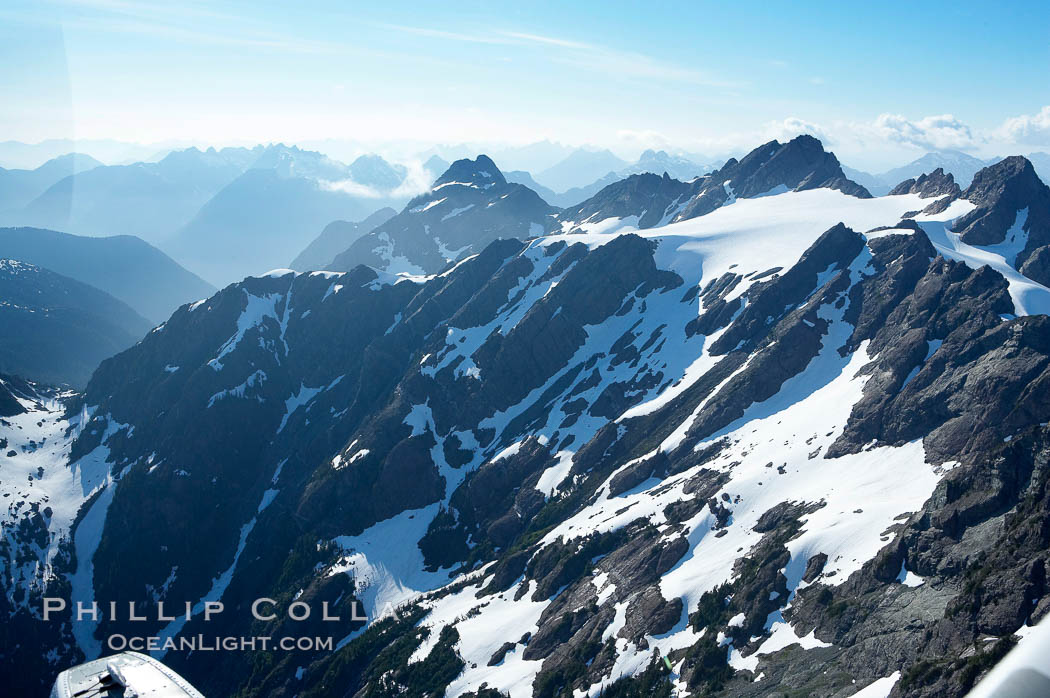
(201, 643)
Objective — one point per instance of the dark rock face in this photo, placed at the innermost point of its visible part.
(1037, 265)
(11, 389)
(1000, 192)
(833, 251)
(468, 207)
(922, 354)
(798, 165)
(654, 199)
(936, 183)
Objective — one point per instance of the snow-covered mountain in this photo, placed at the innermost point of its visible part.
(468, 207)
(936, 183)
(795, 444)
(640, 201)
(56, 329)
(677, 166)
(646, 201)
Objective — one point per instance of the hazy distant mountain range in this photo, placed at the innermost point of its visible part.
(19, 186)
(960, 165)
(580, 167)
(222, 213)
(29, 156)
(147, 199)
(124, 266)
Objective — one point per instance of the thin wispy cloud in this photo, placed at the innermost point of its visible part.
(591, 57)
(183, 23)
(501, 38)
(626, 64)
(548, 40)
(452, 36)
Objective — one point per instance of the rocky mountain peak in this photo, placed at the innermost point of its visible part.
(1000, 193)
(480, 172)
(772, 167)
(435, 164)
(1011, 205)
(1012, 177)
(652, 198)
(468, 207)
(658, 159)
(800, 164)
(936, 183)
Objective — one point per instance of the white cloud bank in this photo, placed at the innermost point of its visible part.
(887, 140)
(1026, 128)
(943, 132)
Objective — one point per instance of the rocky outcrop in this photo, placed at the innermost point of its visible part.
(936, 183)
(772, 168)
(798, 165)
(468, 207)
(1000, 193)
(1037, 265)
(13, 388)
(653, 199)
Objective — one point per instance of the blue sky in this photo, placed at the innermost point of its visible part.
(878, 81)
